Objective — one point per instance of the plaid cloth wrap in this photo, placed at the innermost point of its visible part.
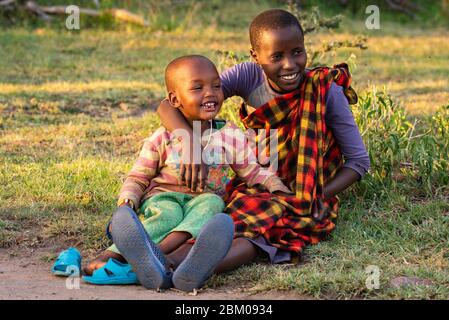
(308, 156)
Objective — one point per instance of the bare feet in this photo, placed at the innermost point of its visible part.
(101, 260)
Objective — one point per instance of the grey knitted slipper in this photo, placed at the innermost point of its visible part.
(211, 246)
(133, 242)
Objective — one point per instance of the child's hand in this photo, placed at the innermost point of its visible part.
(193, 175)
(277, 187)
(319, 211)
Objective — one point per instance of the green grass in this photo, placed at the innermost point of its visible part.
(75, 107)
(408, 240)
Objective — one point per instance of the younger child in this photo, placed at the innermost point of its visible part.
(173, 213)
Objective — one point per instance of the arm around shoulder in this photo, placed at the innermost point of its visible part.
(171, 118)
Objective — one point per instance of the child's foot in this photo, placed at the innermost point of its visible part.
(101, 260)
(133, 242)
(211, 246)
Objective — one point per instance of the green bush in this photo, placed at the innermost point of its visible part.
(399, 149)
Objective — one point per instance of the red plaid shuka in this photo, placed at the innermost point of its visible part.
(308, 156)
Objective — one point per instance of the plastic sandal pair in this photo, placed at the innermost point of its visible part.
(113, 272)
(68, 263)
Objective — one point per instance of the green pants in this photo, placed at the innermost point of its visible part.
(174, 211)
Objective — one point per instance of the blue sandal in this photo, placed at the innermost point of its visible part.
(113, 272)
(68, 263)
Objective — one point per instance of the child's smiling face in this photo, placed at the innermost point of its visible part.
(198, 93)
(282, 56)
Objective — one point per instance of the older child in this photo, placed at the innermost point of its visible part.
(173, 213)
(316, 131)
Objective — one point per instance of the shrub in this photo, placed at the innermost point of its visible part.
(400, 149)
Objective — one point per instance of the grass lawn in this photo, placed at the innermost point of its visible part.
(75, 108)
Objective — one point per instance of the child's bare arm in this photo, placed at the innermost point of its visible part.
(172, 118)
(192, 175)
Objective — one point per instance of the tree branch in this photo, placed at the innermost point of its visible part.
(32, 7)
(402, 7)
(60, 10)
(5, 3)
(45, 12)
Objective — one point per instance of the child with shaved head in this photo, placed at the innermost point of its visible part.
(175, 214)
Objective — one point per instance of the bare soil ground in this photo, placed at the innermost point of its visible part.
(25, 276)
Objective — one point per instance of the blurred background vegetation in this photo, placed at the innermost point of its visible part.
(169, 15)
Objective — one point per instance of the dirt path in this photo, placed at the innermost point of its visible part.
(23, 275)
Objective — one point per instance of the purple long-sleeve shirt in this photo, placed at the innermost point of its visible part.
(248, 81)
